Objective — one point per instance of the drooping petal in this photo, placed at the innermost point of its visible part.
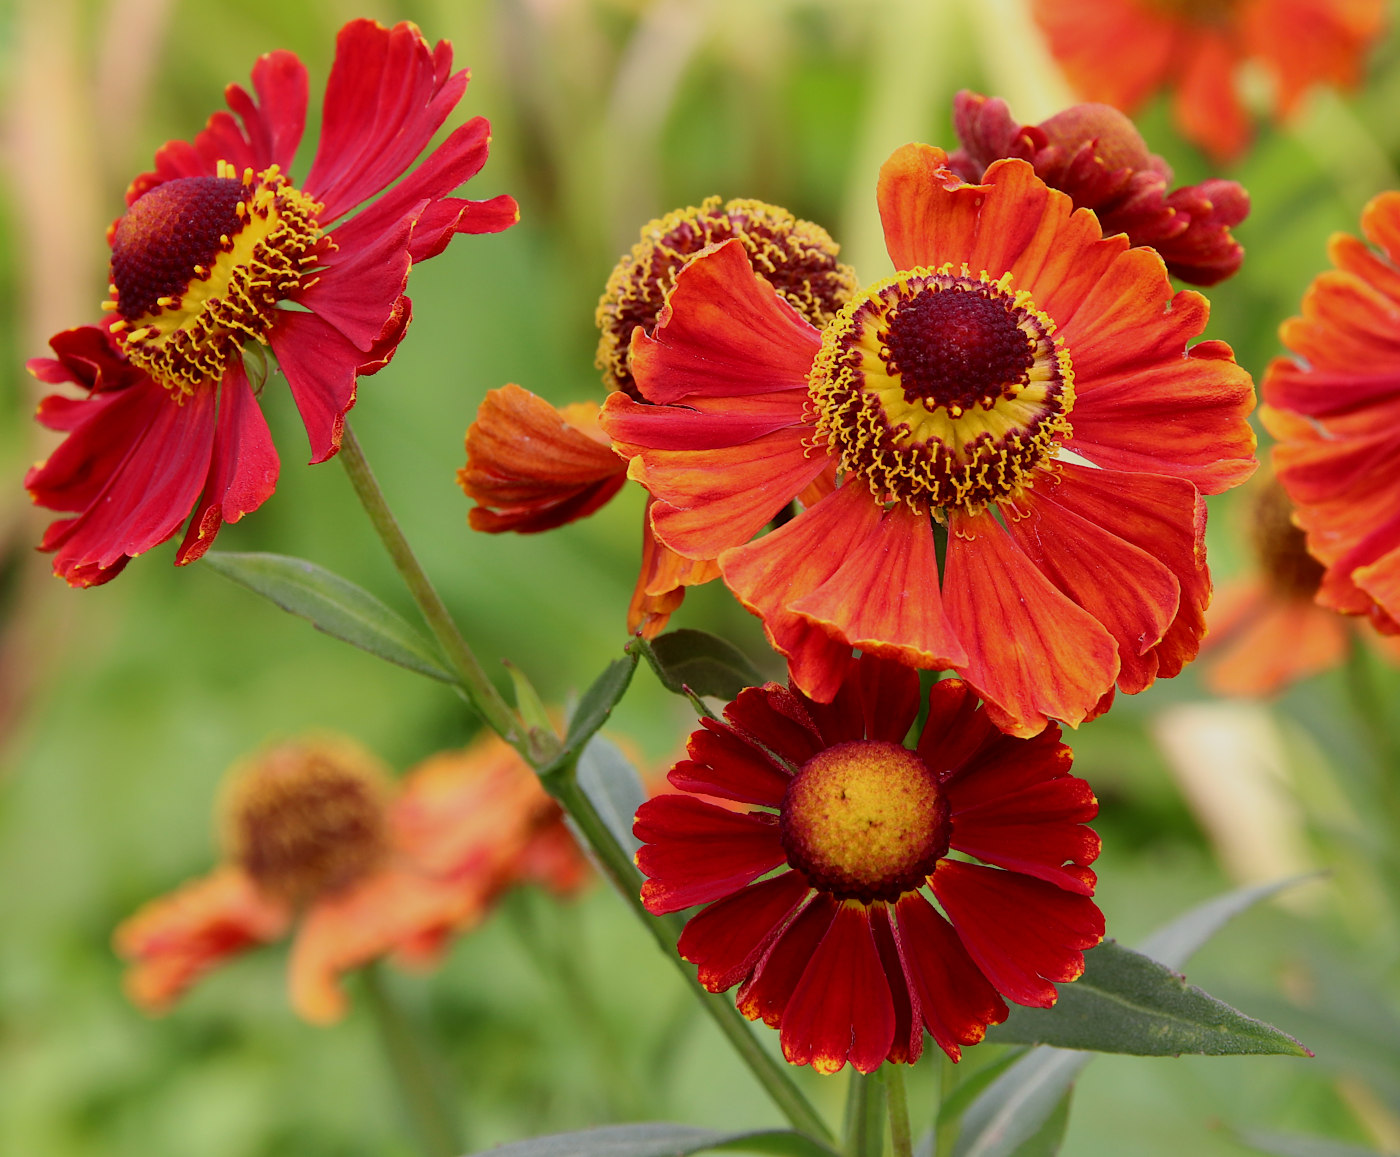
(726, 940)
(530, 468)
(243, 465)
(955, 1000)
(1023, 933)
(358, 285)
(908, 1043)
(769, 989)
(695, 852)
(661, 582)
(726, 764)
(321, 366)
(1033, 654)
(173, 941)
(841, 1008)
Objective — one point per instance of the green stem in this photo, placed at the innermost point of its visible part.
(623, 874)
(429, 1113)
(901, 1139)
(865, 1116)
(945, 1133)
(475, 685)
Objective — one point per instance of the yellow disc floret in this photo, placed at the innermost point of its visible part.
(865, 820)
(942, 389)
(199, 265)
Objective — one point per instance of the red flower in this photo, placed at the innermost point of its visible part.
(531, 467)
(1335, 411)
(1095, 154)
(214, 243)
(840, 950)
(1021, 381)
(317, 833)
(1122, 51)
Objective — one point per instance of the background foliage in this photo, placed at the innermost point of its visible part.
(120, 707)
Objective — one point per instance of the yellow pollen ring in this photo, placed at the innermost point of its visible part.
(929, 455)
(186, 340)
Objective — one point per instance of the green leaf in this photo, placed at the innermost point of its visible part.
(1283, 1145)
(705, 663)
(333, 605)
(657, 1140)
(594, 708)
(613, 786)
(1021, 1104)
(1051, 1135)
(1175, 943)
(1128, 1003)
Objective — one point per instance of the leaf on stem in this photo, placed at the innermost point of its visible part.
(614, 788)
(704, 663)
(594, 708)
(334, 605)
(1284, 1145)
(659, 1140)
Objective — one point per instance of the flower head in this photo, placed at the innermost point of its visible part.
(1096, 155)
(847, 832)
(316, 833)
(219, 248)
(1334, 409)
(1122, 51)
(533, 467)
(1021, 381)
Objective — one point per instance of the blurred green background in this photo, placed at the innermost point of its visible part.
(121, 707)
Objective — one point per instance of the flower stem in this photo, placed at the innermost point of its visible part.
(901, 1139)
(865, 1117)
(475, 685)
(620, 870)
(423, 1101)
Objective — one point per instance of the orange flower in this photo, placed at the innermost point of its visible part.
(1021, 381)
(316, 833)
(1122, 51)
(531, 467)
(1334, 412)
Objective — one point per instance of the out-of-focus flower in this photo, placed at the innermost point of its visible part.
(1096, 155)
(841, 950)
(1022, 381)
(1335, 411)
(1268, 631)
(530, 467)
(1122, 51)
(218, 248)
(318, 835)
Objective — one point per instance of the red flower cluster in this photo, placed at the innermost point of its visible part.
(215, 246)
(841, 949)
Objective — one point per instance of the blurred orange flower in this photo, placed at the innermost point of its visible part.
(531, 467)
(317, 834)
(1122, 51)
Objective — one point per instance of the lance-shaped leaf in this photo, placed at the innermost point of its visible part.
(656, 1140)
(333, 605)
(593, 709)
(704, 663)
(1128, 1003)
(613, 786)
(1286, 1145)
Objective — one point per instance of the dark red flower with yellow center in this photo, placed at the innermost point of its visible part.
(837, 944)
(1096, 155)
(217, 249)
(531, 467)
(1022, 381)
(1334, 411)
(1122, 51)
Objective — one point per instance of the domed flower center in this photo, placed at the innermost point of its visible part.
(865, 820)
(307, 819)
(941, 389)
(797, 257)
(199, 265)
(1281, 548)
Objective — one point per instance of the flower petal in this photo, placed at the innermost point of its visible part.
(767, 992)
(725, 764)
(727, 938)
(321, 366)
(924, 226)
(695, 852)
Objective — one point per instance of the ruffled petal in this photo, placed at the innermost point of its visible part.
(661, 582)
(841, 1008)
(724, 763)
(530, 468)
(777, 719)
(1033, 654)
(695, 852)
(922, 225)
(958, 728)
(173, 941)
(726, 940)
(357, 287)
(1023, 933)
(955, 1000)
(243, 466)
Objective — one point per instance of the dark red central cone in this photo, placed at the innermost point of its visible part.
(956, 348)
(169, 231)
